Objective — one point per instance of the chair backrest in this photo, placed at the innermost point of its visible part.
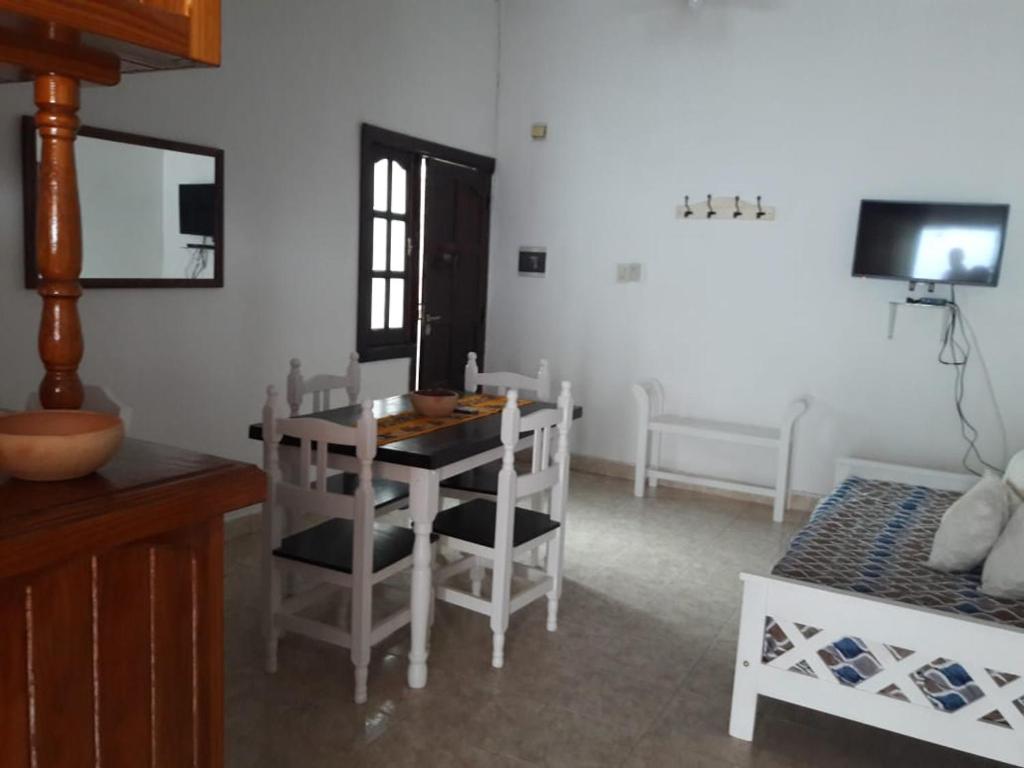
(97, 399)
(322, 385)
(548, 473)
(503, 381)
(314, 436)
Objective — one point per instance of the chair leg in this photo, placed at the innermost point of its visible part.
(655, 458)
(476, 577)
(782, 481)
(434, 550)
(360, 652)
(539, 556)
(271, 634)
(501, 588)
(498, 650)
(362, 618)
(554, 570)
(640, 471)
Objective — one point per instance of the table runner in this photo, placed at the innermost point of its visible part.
(402, 426)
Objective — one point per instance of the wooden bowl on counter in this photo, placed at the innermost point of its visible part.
(57, 445)
(434, 403)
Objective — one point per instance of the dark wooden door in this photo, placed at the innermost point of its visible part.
(455, 252)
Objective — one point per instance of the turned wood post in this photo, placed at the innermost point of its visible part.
(58, 241)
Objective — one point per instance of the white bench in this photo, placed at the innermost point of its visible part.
(653, 423)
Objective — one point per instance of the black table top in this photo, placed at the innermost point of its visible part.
(430, 451)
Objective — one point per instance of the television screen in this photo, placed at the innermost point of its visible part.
(931, 242)
(197, 209)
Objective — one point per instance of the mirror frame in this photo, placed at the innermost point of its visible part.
(29, 170)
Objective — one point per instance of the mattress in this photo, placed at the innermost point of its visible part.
(873, 538)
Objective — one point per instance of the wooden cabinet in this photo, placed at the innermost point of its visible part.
(96, 40)
(111, 612)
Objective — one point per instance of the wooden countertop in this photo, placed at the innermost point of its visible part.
(145, 490)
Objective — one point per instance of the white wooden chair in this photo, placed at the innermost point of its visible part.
(388, 494)
(653, 423)
(483, 481)
(347, 550)
(496, 532)
(321, 386)
(97, 398)
(502, 381)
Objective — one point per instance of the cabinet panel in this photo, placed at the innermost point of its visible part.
(125, 640)
(14, 728)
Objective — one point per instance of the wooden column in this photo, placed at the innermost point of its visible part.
(59, 241)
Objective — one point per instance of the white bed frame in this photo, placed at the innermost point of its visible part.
(976, 645)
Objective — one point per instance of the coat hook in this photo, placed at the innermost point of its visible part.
(711, 211)
(738, 212)
(760, 211)
(687, 211)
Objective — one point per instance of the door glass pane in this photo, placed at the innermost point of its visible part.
(380, 244)
(397, 246)
(396, 315)
(377, 303)
(397, 188)
(380, 185)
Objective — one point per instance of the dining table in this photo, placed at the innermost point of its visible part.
(423, 459)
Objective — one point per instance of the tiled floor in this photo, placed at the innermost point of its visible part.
(638, 674)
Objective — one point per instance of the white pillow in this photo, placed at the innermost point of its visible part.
(1014, 476)
(1004, 570)
(971, 526)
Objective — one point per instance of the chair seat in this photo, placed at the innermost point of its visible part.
(474, 522)
(329, 545)
(384, 491)
(480, 480)
(716, 430)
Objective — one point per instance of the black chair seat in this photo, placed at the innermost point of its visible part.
(384, 491)
(329, 545)
(480, 480)
(474, 522)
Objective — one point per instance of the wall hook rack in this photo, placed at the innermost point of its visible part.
(742, 210)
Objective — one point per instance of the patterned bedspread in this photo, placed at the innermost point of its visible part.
(874, 538)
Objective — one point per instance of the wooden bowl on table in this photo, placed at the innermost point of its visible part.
(57, 445)
(434, 403)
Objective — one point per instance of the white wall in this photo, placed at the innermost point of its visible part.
(297, 80)
(814, 104)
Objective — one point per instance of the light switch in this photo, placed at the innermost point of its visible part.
(629, 273)
(539, 131)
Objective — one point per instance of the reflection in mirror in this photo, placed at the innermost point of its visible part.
(151, 211)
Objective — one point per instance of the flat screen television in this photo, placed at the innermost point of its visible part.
(931, 242)
(197, 209)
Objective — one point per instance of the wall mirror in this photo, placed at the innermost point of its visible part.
(152, 210)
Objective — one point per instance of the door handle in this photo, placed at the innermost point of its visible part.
(427, 320)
